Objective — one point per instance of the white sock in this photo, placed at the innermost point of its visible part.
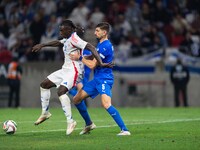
(45, 96)
(66, 106)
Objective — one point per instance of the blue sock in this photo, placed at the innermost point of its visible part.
(116, 116)
(83, 111)
(73, 92)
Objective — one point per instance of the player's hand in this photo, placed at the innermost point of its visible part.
(37, 47)
(74, 55)
(108, 65)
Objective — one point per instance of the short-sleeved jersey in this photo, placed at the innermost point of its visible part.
(73, 43)
(87, 70)
(106, 52)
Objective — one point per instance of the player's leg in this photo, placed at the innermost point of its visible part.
(106, 103)
(45, 96)
(78, 98)
(105, 92)
(82, 108)
(66, 106)
(17, 94)
(69, 78)
(184, 95)
(176, 96)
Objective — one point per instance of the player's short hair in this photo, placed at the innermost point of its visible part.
(104, 26)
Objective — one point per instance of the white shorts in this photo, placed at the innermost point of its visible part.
(66, 77)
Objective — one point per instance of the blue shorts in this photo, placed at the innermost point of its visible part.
(95, 87)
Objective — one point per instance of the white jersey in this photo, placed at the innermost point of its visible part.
(72, 71)
(71, 44)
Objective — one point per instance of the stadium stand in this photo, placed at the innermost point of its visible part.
(144, 32)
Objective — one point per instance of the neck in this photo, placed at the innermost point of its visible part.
(103, 39)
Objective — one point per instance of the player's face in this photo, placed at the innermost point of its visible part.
(65, 31)
(99, 33)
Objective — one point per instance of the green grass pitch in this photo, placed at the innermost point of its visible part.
(151, 128)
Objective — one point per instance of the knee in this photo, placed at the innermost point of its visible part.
(75, 100)
(105, 105)
(47, 84)
(43, 85)
(62, 90)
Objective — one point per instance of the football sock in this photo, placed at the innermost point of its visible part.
(45, 96)
(116, 116)
(82, 108)
(73, 92)
(84, 113)
(66, 106)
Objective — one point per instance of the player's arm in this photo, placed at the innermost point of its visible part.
(91, 63)
(38, 47)
(97, 57)
(79, 43)
(94, 52)
(90, 57)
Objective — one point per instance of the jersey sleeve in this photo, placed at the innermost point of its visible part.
(62, 41)
(105, 51)
(76, 41)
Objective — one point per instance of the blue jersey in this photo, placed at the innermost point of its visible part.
(103, 77)
(87, 70)
(106, 52)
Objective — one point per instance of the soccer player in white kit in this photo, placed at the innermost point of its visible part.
(68, 76)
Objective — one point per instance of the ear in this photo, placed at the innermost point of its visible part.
(104, 32)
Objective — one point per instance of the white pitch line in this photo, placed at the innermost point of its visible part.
(134, 121)
(114, 125)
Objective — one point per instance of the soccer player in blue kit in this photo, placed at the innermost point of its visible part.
(103, 77)
(82, 108)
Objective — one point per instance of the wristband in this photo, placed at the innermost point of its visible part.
(80, 58)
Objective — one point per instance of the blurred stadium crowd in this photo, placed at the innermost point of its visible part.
(138, 26)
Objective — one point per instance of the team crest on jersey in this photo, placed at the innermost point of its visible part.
(74, 39)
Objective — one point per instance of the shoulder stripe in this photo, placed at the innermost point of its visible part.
(73, 38)
(72, 44)
(102, 55)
